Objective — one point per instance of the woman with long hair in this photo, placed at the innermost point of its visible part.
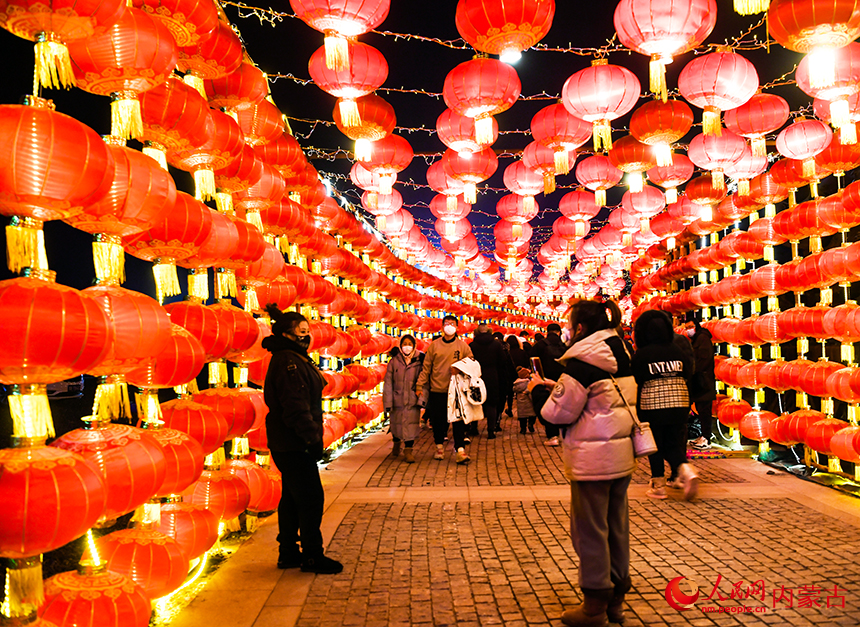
(591, 404)
(399, 397)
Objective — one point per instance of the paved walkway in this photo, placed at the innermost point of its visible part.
(435, 544)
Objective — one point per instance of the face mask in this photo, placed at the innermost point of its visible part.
(449, 329)
(304, 341)
(407, 350)
(691, 332)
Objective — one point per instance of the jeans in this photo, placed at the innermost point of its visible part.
(300, 510)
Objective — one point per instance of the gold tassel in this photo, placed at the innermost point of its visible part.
(25, 245)
(112, 401)
(251, 523)
(451, 203)
(252, 217)
(635, 182)
(125, 120)
(198, 284)
(744, 187)
(840, 113)
(600, 197)
(240, 375)
(336, 51)
(718, 180)
(381, 223)
(792, 198)
(517, 230)
(349, 115)
(252, 303)
(239, 448)
(372, 200)
(848, 134)
(562, 163)
(484, 130)
(194, 81)
(157, 152)
(204, 184)
(602, 131)
(711, 124)
(192, 388)
(24, 590)
(808, 169)
(707, 213)
(644, 226)
(658, 77)
(671, 195)
(815, 244)
(750, 7)
(218, 373)
(225, 283)
(470, 192)
(663, 155)
(53, 64)
(148, 407)
(670, 242)
(363, 149)
(295, 197)
(166, 279)
(108, 258)
(822, 67)
(448, 229)
(386, 183)
(759, 146)
(224, 202)
(31, 413)
(528, 204)
(284, 245)
(233, 525)
(548, 184)
(626, 239)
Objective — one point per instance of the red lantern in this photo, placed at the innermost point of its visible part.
(600, 94)
(189, 21)
(598, 174)
(241, 89)
(174, 118)
(365, 71)
(390, 155)
(199, 421)
(844, 83)
(717, 153)
(557, 129)
(223, 494)
(632, 156)
(756, 425)
(760, 115)
(217, 55)
(284, 154)
(213, 333)
(132, 56)
(152, 560)
(717, 82)
(176, 365)
(243, 408)
(701, 190)
(261, 123)
(802, 140)
(457, 132)
(839, 157)
(670, 177)
(193, 527)
(820, 433)
(504, 28)
(258, 482)
(94, 597)
(183, 457)
(743, 170)
(540, 159)
(376, 120)
(661, 124)
(814, 380)
(470, 172)
(844, 444)
(730, 413)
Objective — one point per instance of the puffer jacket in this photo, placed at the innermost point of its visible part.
(597, 442)
(399, 384)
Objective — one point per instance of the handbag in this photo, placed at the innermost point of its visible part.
(643, 438)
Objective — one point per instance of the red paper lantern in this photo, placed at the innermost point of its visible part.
(261, 123)
(284, 154)
(670, 177)
(756, 425)
(820, 433)
(151, 559)
(189, 21)
(844, 444)
(717, 153)
(241, 89)
(814, 380)
(95, 597)
(213, 333)
(183, 457)
(217, 55)
(376, 120)
(223, 494)
(193, 527)
(802, 140)
(199, 421)
(730, 412)
(174, 118)
(243, 408)
(390, 155)
(717, 82)
(504, 28)
(134, 55)
(176, 365)
(600, 94)
(760, 115)
(839, 385)
(479, 167)
(243, 330)
(598, 174)
(660, 124)
(557, 129)
(457, 132)
(258, 482)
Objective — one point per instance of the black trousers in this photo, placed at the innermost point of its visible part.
(706, 417)
(437, 412)
(301, 508)
(671, 438)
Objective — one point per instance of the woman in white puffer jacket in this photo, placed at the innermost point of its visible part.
(588, 405)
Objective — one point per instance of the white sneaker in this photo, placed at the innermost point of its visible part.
(701, 444)
(462, 458)
(552, 442)
(690, 481)
(657, 489)
(440, 453)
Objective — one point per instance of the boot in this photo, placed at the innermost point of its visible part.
(532, 422)
(395, 450)
(689, 480)
(523, 422)
(591, 612)
(615, 609)
(657, 488)
(408, 456)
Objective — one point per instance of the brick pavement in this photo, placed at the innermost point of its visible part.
(509, 460)
(511, 563)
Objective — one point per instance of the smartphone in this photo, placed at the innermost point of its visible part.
(537, 367)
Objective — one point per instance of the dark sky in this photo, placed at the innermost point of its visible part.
(286, 47)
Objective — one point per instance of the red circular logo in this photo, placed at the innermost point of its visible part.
(677, 599)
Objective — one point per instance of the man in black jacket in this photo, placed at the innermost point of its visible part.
(294, 426)
(548, 350)
(495, 367)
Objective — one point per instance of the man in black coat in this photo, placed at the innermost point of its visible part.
(703, 386)
(494, 371)
(548, 350)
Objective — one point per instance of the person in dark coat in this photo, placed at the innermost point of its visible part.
(703, 386)
(525, 344)
(489, 353)
(548, 349)
(507, 376)
(399, 397)
(661, 370)
(519, 356)
(294, 425)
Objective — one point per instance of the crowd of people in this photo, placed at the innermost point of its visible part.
(586, 385)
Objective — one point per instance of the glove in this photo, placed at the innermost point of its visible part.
(316, 450)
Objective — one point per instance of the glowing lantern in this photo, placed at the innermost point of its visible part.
(470, 172)
(199, 421)
(217, 55)
(669, 177)
(730, 412)
(662, 30)
(193, 527)
(376, 120)
(523, 182)
(241, 89)
(802, 140)
(744, 169)
(646, 204)
(134, 55)
(555, 128)
(151, 559)
(755, 425)
(659, 125)
(598, 174)
(260, 123)
(541, 159)
(284, 154)
(94, 597)
(760, 115)
(242, 408)
(512, 209)
(479, 89)
(174, 118)
(701, 190)
(600, 94)
(820, 433)
(717, 82)
(457, 132)
(223, 494)
(845, 82)
(390, 155)
(666, 227)
(504, 28)
(717, 153)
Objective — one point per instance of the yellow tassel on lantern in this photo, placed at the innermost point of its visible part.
(336, 51)
(218, 373)
(125, 120)
(470, 192)
(517, 230)
(711, 124)
(157, 152)
(204, 184)
(602, 134)
(24, 590)
(295, 197)
(840, 113)
(251, 522)
(451, 203)
(750, 7)
(484, 130)
(53, 64)
(644, 226)
(822, 67)
(759, 146)
(743, 187)
(848, 134)
(108, 258)
(626, 239)
(671, 195)
(808, 169)
(252, 217)
(198, 284)
(548, 183)
(381, 222)
(658, 77)
(148, 408)
(31, 414)
(349, 115)
(600, 197)
(252, 303)
(224, 202)
(25, 245)
(363, 149)
(166, 279)
(706, 213)
(718, 179)
(112, 400)
(635, 182)
(562, 163)
(195, 82)
(663, 154)
(284, 244)
(528, 204)
(240, 375)
(386, 183)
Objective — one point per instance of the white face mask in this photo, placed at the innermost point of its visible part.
(407, 349)
(691, 332)
(449, 329)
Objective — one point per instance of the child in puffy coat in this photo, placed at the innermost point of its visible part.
(525, 409)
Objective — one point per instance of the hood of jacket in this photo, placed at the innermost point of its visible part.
(275, 343)
(703, 332)
(653, 327)
(469, 366)
(594, 351)
(483, 339)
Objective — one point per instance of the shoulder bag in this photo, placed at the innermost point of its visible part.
(643, 439)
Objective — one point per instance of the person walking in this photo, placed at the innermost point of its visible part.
(548, 350)
(399, 397)
(662, 370)
(432, 387)
(703, 386)
(488, 352)
(294, 426)
(525, 408)
(519, 356)
(507, 374)
(590, 401)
